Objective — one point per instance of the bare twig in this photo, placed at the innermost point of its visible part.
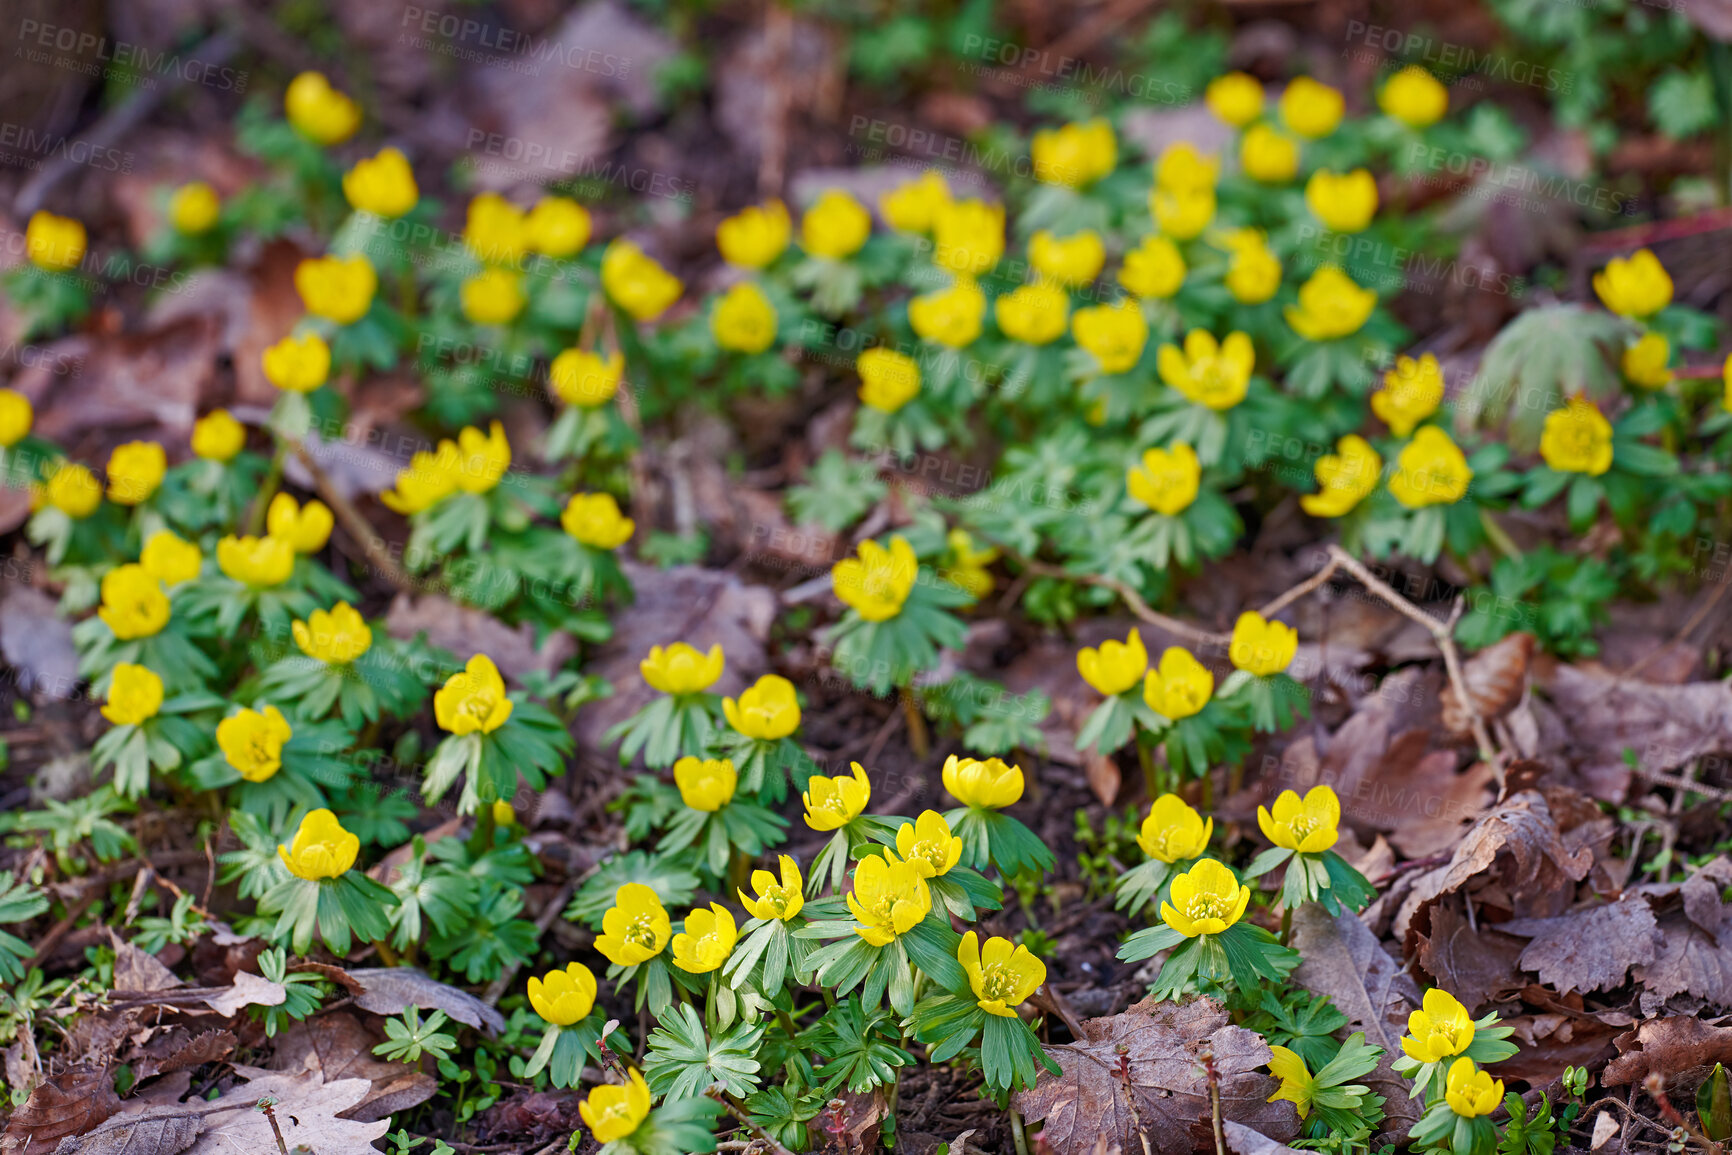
(1132, 598)
(357, 525)
(738, 1110)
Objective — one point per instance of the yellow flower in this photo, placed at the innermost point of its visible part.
(563, 997)
(949, 316)
(1212, 375)
(1430, 470)
(1411, 392)
(1269, 155)
(1033, 314)
(1726, 377)
(911, 206)
(832, 803)
(252, 742)
(1073, 260)
(594, 520)
(1116, 666)
(1414, 97)
(1441, 1027)
(503, 813)
(585, 379)
(1173, 831)
(680, 669)
(754, 236)
(134, 695)
(492, 297)
(298, 364)
(428, 479)
(557, 227)
(835, 226)
(767, 710)
(1001, 975)
(134, 471)
(636, 282)
(133, 603)
(888, 379)
(744, 320)
(1167, 480)
(259, 562)
(217, 436)
(1471, 1092)
(776, 900)
(53, 243)
(1577, 438)
(1077, 154)
(1154, 269)
(965, 565)
(1311, 109)
(496, 230)
(482, 458)
(1181, 166)
(1183, 213)
(16, 417)
(319, 112)
(473, 699)
(1306, 825)
(705, 783)
(1645, 361)
(927, 844)
(876, 581)
(1638, 287)
(707, 940)
(1253, 269)
(968, 236)
(612, 1112)
(382, 184)
(321, 848)
(338, 289)
(1344, 478)
(194, 208)
(983, 784)
(336, 637)
(635, 928)
(1297, 1085)
(1345, 202)
(1330, 305)
(169, 559)
(72, 489)
(1260, 646)
(1180, 687)
(1206, 899)
(1236, 98)
(305, 527)
(889, 899)
(1114, 334)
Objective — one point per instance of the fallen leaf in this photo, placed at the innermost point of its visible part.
(66, 1104)
(37, 643)
(1669, 1046)
(248, 990)
(1666, 726)
(1137, 1079)
(1495, 678)
(139, 971)
(1589, 949)
(1692, 958)
(465, 630)
(1605, 1126)
(181, 1050)
(1243, 1140)
(307, 1111)
(392, 990)
(338, 1046)
(1549, 1043)
(168, 1133)
(1475, 963)
(1103, 775)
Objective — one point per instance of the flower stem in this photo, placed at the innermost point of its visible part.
(267, 489)
(1016, 1132)
(1286, 922)
(1151, 780)
(917, 734)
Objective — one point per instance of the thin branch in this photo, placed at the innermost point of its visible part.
(738, 1110)
(1131, 597)
(357, 525)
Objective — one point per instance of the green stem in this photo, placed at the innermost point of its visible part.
(787, 1022)
(918, 738)
(1505, 544)
(481, 841)
(1017, 1134)
(267, 490)
(1287, 918)
(1151, 780)
(386, 954)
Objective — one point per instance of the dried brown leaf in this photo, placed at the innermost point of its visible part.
(181, 1050)
(307, 1110)
(1669, 1045)
(1103, 775)
(1475, 963)
(392, 990)
(1666, 725)
(338, 1046)
(1590, 949)
(66, 1104)
(159, 1134)
(1496, 678)
(1243, 1140)
(136, 970)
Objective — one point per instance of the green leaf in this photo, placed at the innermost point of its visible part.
(682, 1062)
(1681, 103)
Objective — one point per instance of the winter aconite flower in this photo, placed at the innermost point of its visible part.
(743, 320)
(1345, 202)
(1430, 470)
(338, 289)
(888, 379)
(1260, 646)
(767, 710)
(585, 379)
(1307, 825)
(889, 899)
(1236, 98)
(1154, 269)
(298, 364)
(950, 316)
(306, 527)
(216, 436)
(252, 742)
(776, 900)
(492, 297)
(1173, 831)
(53, 243)
(134, 695)
(321, 848)
(336, 636)
(1167, 480)
(134, 471)
(680, 669)
(983, 783)
(259, 562)
(595, 520)
(1076, 154)
(1114, 334)
(1269, 155)
(1297, 1085)
(754, 236)
(429, 478)
(1411, 392)
(1414, 97)
(494, 230)
(927, 844)
(832, 803)
(613, 1112)
(635, 928)
(1471, 1092)
(194, 208)
(1330, 305)
(636, 282)
(707, 940)
(556, 227)
(1344, 478)
(705, 784)
(1577, 438)
(1182, 166)
(1638, 287)
(1116, 666)
(1441, 1027)
(877, 581)
(72, 489)
(473, 699)
(1182, 212)
(169, 558)
(133, 602)
(1311, 109)
(835, 226)
(1253, 269)
(16, 417)
(968, 236)
(1213, 375)
(1206, 899)
(563, 997)
(319, 112)
(1072, 260)
(1033, 314)
(911, 206)
(1180, 686)
(1002, 976)
(382, 184)
(482, 458)
(1646, 361)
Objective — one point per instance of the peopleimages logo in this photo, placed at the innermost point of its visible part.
(1458, 58)
(89, 53)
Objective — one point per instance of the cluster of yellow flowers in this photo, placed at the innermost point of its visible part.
(1180, 685)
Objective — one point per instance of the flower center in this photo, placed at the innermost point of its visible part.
(477, 706)
(641, 932)
(778, 897)
(1446, 1032)
(930, 851)
(1302, 827)
(1204, 906)
(998, 982)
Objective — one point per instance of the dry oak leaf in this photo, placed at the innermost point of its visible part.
(181, 1050)
(337, 1046)
(1589, 949)
(1496, 678)
(166, 1133)
(392, 990)
(1667, 1046)
(1667, 725)
(66, 1104)
(1137, 1080)
(307, 1110)
(1695, 953)
(1474, 962)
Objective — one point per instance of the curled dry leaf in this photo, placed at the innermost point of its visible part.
(1693, 956)
(1495, 678)
(1666, 726)
(337, 1046)
(1669, 1046)
(392, 990)
(181, 1050)
(66, 1104)
(1589, 949)
(1472, 961)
